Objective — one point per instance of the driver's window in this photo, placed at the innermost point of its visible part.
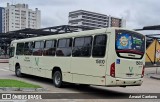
(11, 52)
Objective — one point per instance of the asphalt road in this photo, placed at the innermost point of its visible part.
(149, 86)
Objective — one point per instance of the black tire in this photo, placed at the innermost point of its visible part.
(57, 79)
(18, 71)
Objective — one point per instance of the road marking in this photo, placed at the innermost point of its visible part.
(6, 68)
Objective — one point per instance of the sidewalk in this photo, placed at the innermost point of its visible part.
(153, 72)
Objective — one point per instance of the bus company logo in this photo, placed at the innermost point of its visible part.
(131, 69)
(37, 60)
(6, 96)
(139, 63)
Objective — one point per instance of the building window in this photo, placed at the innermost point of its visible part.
(64, 47)
(99, 46)
(82, 47)
(17, 10)
(75, 23)
(16, 13)
(74, 16)
(50, 48)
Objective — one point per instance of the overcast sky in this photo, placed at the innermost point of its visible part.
(138, 13)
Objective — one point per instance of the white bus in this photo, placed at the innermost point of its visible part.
(107, 57)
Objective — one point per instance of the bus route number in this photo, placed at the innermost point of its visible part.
(100, 61)
(139, 63)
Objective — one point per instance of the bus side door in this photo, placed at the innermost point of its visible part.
(12, 58)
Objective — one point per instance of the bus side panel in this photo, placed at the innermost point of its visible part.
(21, 60)
(49, 63)
(84, 79)
(88, 70)
(37, 65)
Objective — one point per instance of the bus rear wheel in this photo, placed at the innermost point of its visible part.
(18, 71)
(57, 79)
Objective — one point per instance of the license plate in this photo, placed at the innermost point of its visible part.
(129, 75)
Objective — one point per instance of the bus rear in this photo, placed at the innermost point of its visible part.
(127, 63)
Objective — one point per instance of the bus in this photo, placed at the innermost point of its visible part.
(106, 57)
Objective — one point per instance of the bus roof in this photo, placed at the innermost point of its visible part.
(65, 35)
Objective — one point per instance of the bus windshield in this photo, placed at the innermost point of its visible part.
(130, 42)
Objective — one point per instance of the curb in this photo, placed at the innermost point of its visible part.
(22, 89)
(154, 77)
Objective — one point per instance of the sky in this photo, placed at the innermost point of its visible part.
(137, 13)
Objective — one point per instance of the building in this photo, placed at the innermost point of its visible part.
(116, 22)
(94, 20)
(19, 16)
(2, 10)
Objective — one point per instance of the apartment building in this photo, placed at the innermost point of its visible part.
(2, 11)
(94, 20)
(116, 22)
(19, 16)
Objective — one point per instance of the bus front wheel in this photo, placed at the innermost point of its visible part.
(57, 79)
(18, 71)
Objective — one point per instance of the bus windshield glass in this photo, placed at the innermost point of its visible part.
(130, 42)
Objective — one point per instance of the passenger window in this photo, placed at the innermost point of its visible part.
(79, 42)
(62, 43)
(82, 47)
(28, 47)
(42, 45)
(19, 49)
(38, 48)
(64, 47)
(48, 44)
(37, 45)
(99, 46)
(50, 48)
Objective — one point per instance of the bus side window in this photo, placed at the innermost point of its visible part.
(28, 47)
(99, 46)
(82, 47)
(50, 48)
(64, 47)
(20, 49)
(38, 48)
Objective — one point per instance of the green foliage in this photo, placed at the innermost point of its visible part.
(16, 83)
